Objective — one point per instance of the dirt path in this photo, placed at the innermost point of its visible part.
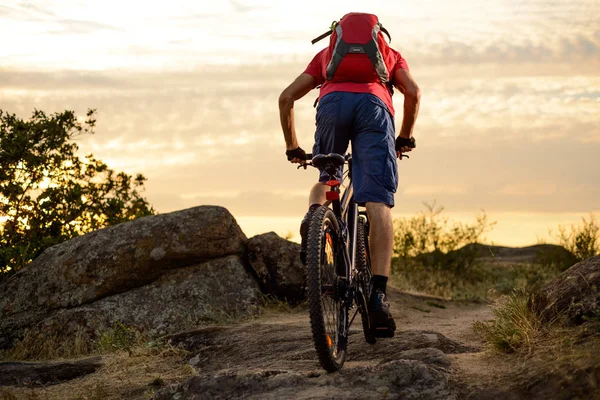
(434, 355)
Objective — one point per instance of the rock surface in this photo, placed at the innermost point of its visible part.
(277, 266)
(36, 374)
(575, 293)
(114, 260)
(399, 379)
(211, 292)
(278, 361)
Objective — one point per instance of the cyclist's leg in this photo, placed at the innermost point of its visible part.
(375, 180)
(333, 120)
(317, 194)
(381, 238)
(375, 176)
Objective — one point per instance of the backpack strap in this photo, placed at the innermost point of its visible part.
(329, 32)
(340, 49)
(382, 29)
(323, 36)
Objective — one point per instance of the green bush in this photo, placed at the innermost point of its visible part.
(118, 337)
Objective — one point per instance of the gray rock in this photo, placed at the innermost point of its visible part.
(114, 260)
(46, 373)
(401, 379)
(429, 356)
(277, 266)
(217, 291)
(574, 294)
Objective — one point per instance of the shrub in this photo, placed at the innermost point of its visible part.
(583, 241)
(119, 337)
(515, 326)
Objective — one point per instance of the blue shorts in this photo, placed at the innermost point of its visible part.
(364, 120)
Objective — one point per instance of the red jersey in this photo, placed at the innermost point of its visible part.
(318, 69)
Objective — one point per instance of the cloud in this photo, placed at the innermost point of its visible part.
(6, 11)
(75, 26)
(504, 51)
(435, 190)
(467, 33)
(31, 13)
(36, 10)
(243, 8)
(498, 140)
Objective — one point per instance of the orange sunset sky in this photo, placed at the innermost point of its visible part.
(186, 93)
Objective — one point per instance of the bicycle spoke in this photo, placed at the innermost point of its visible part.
(329, 296)
(325, 290)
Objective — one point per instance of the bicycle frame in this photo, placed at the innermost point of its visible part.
(345, 285)
(346, 211)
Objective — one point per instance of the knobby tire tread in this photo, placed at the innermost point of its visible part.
(364, 269)
(313, 285)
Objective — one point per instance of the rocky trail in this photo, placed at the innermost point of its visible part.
(189, 277)
(433, 352)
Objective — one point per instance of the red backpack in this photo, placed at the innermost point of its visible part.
(357, 50)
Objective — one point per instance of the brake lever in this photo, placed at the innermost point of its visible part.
(305, 165)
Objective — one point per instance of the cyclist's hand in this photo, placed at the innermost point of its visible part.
(296, 156)
(404, 145)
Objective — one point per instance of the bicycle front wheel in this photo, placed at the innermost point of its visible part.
(326, 289)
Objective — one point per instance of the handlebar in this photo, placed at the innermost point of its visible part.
(309, 157)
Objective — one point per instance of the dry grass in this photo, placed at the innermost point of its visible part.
(549, 359)
(38, 345)
(515, 326)
(270, 305)
(133, 374)
(134, 367)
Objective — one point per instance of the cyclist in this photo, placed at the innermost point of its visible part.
(359, 111)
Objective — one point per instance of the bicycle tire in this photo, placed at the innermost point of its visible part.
(328, 311)
(363, 268)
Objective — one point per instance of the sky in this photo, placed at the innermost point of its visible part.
(186, 94)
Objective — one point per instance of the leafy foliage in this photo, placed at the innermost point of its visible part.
(48, 194)
(119, 337)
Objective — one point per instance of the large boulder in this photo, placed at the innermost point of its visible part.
(574, 294)
(216, 291)
(277, 266)
(114, 260)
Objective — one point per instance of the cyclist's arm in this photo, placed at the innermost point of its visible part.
(405, 83)
(296, 90)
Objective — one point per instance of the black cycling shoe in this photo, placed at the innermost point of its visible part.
(303, 234)
(380, 317)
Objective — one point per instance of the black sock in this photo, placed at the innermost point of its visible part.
(379, 283)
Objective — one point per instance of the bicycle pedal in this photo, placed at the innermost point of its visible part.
(383, 332)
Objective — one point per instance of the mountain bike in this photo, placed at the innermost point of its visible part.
(338, 264)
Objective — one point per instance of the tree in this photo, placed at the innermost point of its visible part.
(48, 194)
